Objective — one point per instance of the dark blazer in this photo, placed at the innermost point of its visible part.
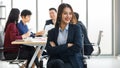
(11, 34)
(88, 48)
(84, 32)
(72, 54)
(48, 22)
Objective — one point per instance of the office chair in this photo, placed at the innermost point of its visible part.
(17, 61)
(97, 45)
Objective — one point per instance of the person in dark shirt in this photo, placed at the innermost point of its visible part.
(88, 48)
(65, 40)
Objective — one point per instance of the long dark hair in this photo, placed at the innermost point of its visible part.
(60, 11)
(13, 17)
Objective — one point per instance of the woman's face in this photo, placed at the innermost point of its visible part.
(66, 15)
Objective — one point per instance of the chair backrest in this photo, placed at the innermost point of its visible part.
(99, 37)
(98, 44)
(1, 36)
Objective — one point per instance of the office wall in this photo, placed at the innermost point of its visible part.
(117, 26)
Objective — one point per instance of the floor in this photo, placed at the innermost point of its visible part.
(93, 62)
(103, 62)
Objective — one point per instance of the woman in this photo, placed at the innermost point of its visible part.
(12, 34)
(65, 41)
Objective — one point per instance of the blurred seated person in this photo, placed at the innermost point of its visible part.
(51, 22)
(22, 26)
(87, 50)
(12, 34)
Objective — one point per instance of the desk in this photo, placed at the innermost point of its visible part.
(39, 42)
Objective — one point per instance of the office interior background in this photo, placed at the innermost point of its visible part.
(95, 14)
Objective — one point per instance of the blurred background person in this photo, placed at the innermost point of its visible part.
(22, 25)
(88, 47)
(52, 21)
(23, 28)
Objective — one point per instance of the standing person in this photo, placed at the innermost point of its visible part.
(64, 42)
(23, 28)
(52, 21)
(12, 34)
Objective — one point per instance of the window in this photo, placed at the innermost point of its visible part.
(95, 14)
(4, 11)
(43, 11)
(30, 5)
(100, 18)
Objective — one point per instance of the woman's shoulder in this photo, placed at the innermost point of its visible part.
(12, 25)
(75, 26)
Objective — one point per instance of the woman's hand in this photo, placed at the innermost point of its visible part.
(52, 44)
(70, 45)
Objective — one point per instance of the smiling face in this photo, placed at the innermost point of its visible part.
(53, 14)
(66, 15)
